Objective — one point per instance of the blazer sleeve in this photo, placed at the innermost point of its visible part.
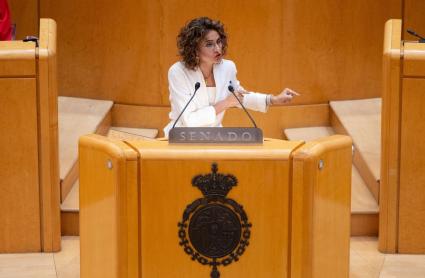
(181, 90)
(253, 101)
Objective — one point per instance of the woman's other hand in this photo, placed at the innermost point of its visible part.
(228, 102)
(284, 97)
(231, 101)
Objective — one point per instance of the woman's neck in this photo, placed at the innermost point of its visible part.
(206, 70)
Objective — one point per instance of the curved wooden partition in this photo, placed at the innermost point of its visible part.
(29, 184)
(321, 208)
(390, 129)
(133, 195)
(402, 219)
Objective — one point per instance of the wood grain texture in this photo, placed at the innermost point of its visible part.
(17, 59)
(325, 49)
(262, 189)
(390, 129)
(412, 168)
(413, 18)
(26, 17)
(414, 60)
(19, 183)
(48, 131)
(113, 195)
(358, 159)
(365, 225)
(320, 229)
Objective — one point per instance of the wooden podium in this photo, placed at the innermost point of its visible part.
(402, 195)
(149, 209)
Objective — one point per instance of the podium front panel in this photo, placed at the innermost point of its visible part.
(166, 191)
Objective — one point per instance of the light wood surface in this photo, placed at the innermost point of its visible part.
(141, 206)
(362, 200)
(77, 117)
(414, 60)
(29, 97)
(47, 107)
(112, 193)
(412, 168)
(101, 126)
(390, 130)
(321, 208)
(17, 58)
(310, 46)
(360, 119)
(19, 167)
(140, 133)
(262, 190)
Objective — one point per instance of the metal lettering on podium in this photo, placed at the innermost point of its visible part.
(215, 135)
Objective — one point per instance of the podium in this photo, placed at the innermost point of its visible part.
(402, 197)
(150, 209)
(29, 163)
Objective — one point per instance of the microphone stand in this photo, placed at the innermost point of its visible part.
(413, 33)
(232, 90)
(197, 85)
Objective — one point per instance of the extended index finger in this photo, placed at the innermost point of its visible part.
(293, 92)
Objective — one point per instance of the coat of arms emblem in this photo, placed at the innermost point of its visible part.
(214, 230)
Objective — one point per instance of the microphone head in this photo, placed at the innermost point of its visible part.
(231, 88)
(197, 85)
(411, 32)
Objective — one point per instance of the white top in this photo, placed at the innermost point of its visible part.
(211, 94)
(201, 112)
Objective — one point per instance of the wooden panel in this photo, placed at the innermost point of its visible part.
(321, 209)
(19, 183)
(70, 223)
(108, 244)
(17, 58)
(412, 168)
(413, 18)
(325, 49)
(272, 123)
(332, 49)
(262, 190)
(390, 129)
(25, 16)
(414, 60)
(112, 61)
(48, 144)
(365, 224)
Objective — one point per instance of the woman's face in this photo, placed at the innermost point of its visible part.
(210, 48)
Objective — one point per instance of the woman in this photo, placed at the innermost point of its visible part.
(202, 44)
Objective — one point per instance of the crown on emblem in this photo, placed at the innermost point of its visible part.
(214, 184)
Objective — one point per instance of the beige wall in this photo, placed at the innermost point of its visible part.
(325, 49)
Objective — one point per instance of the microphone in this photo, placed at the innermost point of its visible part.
(232, 90)
(413, 33)
(197, 86)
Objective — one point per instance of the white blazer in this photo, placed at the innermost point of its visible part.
(200, 113)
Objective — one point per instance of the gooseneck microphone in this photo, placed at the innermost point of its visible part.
(197, 86)
(413, 33)
(232, 90)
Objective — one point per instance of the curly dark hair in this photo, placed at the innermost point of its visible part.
(193, 33)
